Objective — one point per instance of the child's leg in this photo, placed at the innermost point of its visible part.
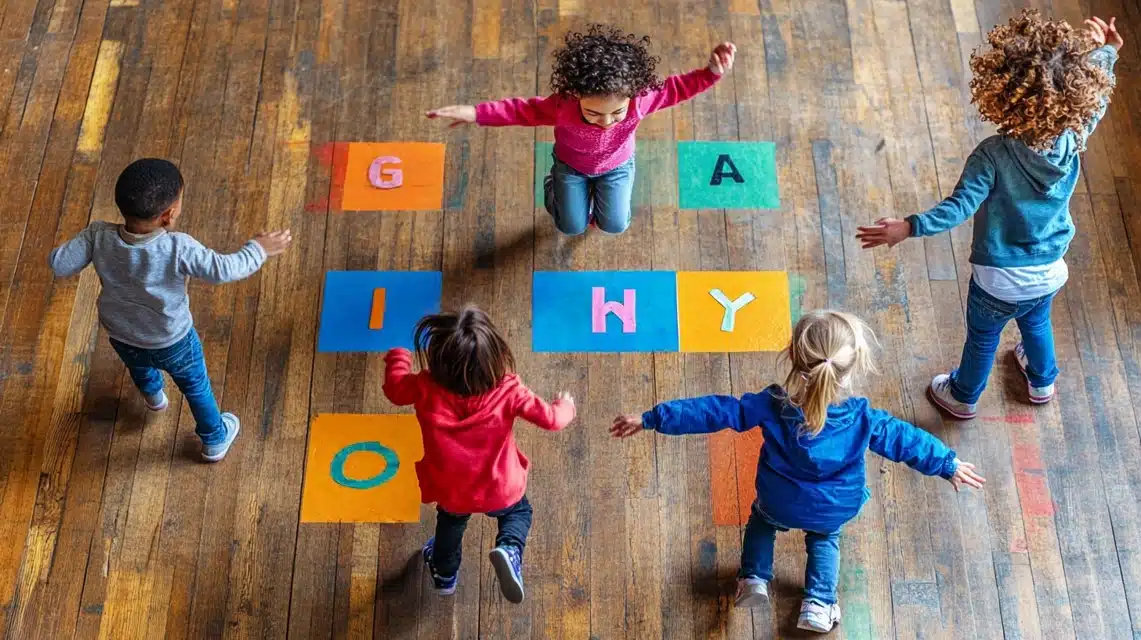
(1038, 342)
(186, 365)
(140, 365)
(822, 573)
(757, 550)
(986, 316)
(448, 551)
(514, 524)
(613, 192)
(567, 198)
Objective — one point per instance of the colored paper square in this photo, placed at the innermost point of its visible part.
(420, 173)
(760, 325)
(654, 179)
(564, 317)
(361, 468)
(727, 175)
(347, 308)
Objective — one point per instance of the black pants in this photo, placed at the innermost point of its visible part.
(514, 525)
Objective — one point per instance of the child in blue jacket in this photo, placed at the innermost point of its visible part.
(810, 474)
(1046, 86)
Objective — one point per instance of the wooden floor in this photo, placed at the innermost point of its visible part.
(111, 527)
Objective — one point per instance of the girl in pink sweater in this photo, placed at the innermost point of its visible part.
(603, 84)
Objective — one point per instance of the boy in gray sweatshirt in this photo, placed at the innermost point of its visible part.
(144, 265)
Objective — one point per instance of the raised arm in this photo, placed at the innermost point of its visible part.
(200, 262)
(400, 386)
(72, 256)
(676, 89)
(552, 417)
(708, 414)
(901, 441)
(1104, 58)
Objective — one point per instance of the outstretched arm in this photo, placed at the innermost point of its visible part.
(72, 256)
(676, 89)
(706, 414)
(399, 384)
(553, 416)
(200, 262)
(901, 441)
(530, 112)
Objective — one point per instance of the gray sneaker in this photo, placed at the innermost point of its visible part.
(751, 592)
(157, 402)
(1038, 395)
(215, 452)
(817, 616)
(940, 393)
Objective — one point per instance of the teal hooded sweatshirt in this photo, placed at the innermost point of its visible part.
(1022, 196)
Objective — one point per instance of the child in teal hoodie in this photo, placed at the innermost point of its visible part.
(1046, 86)
(810, 474)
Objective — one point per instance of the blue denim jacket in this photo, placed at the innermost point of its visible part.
(815, 483)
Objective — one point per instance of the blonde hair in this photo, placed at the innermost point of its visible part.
(828, 349)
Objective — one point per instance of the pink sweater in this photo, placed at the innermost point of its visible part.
(585, 147)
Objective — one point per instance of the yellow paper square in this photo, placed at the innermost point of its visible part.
(760, 325)
(360, 449)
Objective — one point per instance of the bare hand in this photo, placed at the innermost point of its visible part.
(460, 114)
(1104, 33)
(626, 426)
(965, 475)
(889, 231)
(274, 242)
(721, 59)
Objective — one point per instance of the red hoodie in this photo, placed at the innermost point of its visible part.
(471, 462)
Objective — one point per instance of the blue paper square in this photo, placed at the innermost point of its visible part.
(563, 307)
(347, 308)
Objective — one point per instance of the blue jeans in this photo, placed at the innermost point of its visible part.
(821, 574)
(514, 525)
(570, 193)
(986, 317)
(186, 365)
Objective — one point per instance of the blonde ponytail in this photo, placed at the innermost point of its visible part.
(828, 349)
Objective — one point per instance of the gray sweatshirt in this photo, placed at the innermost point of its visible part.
(144, 302)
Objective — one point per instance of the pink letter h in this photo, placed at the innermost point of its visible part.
(624, 310)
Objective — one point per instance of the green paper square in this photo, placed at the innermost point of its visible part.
(700, 163)
(654, 166)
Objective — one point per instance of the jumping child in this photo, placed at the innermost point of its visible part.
(810, 474)
(144, 265)
(603, 84)
(1046, 86)
(467, 397)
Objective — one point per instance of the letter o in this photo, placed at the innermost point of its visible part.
(391, 465)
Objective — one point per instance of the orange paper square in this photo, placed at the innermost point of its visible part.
(359, 449)
(760, 325)
(422, 171)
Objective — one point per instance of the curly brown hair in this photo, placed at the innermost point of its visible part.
(1036, 80)
(604, 61)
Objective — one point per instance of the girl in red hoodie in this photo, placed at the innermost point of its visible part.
(467, 397)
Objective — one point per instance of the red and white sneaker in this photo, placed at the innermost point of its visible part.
(1038, 395)
(940, 394)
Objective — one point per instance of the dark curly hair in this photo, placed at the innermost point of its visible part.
(1036, 80)
(604, 61)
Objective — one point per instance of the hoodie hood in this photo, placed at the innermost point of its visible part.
(1045, 170)
(451, 411)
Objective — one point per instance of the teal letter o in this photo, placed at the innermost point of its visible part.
(391, 465)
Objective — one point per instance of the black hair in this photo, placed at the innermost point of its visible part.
(604, 61)
(147, 188)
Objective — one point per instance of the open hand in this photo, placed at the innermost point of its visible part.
(721, 59)
(965, 475)
(459, 114)
(889, 231)
(565, 398)
(626, 426)
(1104, 33)
(274, 242)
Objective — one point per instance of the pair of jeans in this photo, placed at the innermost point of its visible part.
(514, 525)
(570, 194)
(821, 574)
(986, 318)
(186, 365)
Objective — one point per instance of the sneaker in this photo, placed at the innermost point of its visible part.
(443, 586)
(1038, 395)
(215, 452)
(818, 617)
(940, 393)
(508, 564)
(751, 592)
(157, 402)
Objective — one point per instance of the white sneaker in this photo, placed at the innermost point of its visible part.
(215, 452)
(940, 393)
(157, 402)
(1038, 395)
(818, 617)
(751, 592)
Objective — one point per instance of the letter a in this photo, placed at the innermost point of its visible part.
(382, 178)
(719, 171)
(731, 308)
(599, 307)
